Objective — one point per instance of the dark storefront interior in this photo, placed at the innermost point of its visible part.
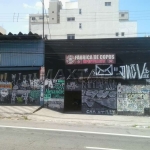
(72, 101)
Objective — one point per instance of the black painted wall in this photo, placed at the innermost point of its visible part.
(128, 51)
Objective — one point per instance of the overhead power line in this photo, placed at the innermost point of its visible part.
(82, 18)
(62, 15)
(102, 34)
(77, 21)
(137, 11)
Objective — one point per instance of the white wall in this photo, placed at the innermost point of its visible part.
(94, 25)
(98, 21)
(71, 5)
(130, 28)
(98, 5)
(53, 12)
(37, 20)
(2, 30)
(125, 17)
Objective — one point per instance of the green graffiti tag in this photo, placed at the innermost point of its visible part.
(54, 91)
(35, 94)
(47, 95)
(61, 81)
(53, 94)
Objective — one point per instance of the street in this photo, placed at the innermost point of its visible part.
(34, 138)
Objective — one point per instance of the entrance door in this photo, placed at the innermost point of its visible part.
(73, 101)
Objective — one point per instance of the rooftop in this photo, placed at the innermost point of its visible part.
(20, 36)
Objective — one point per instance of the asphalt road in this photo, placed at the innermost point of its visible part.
(40, 139)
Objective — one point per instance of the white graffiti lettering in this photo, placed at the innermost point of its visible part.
(131, 71)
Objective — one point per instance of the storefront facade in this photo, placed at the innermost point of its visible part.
(21, 58)
(98, 76)
(104, 76)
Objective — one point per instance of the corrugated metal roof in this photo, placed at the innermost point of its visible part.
(13, 59)
(20, 36)
(22, 53)
(19, 68)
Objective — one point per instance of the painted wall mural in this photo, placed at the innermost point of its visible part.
(69, 74)
(99, 96)
(19, 88)
(73, 85)
(133, 98)
(96, 98)
(54, 94)
(126, 72)
(132, 71)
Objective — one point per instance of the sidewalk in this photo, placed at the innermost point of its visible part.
(12, 111)
(98, 120)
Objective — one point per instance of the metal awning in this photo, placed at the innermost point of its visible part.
(18, 68)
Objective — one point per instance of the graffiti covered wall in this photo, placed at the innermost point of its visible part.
(54, 94)
(99, 96)
(133, 98)
(130, 71)
(19, 88)
(74, 85)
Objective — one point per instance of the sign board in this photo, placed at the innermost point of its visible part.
(90, 59)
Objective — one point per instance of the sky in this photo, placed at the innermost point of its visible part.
(14, 13)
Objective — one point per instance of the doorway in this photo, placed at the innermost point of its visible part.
(73, 101)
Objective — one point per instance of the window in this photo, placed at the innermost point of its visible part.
(80, 25)
(33, 18)
(70, 36)
(122, 15)
(117, 34)
(71, 19)
(107, 3)
(80, 11)
(122, 33)
(41, 18)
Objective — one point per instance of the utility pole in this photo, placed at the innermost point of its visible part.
(43, 68)
(43, 19)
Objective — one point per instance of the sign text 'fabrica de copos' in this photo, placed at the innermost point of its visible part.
(90, 59)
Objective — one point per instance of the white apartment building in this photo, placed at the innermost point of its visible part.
(2, 30)
(84, 19)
